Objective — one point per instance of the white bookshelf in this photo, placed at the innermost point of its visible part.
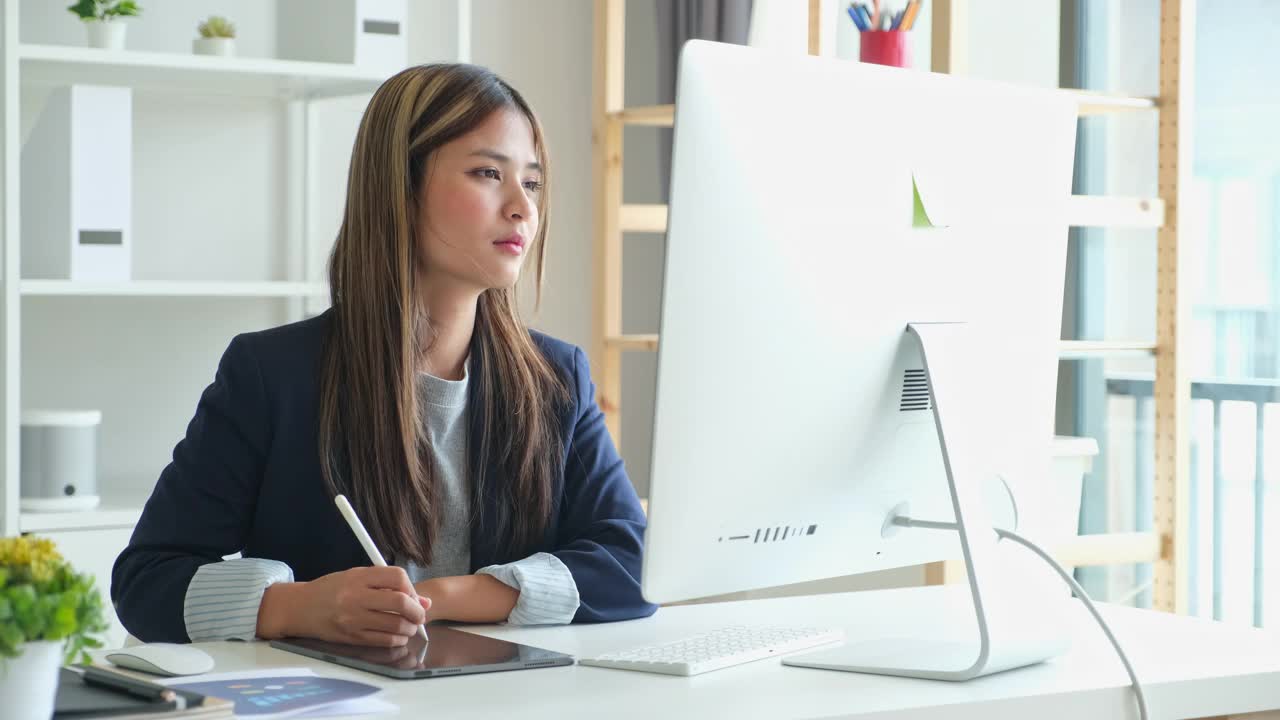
(113, 512)
(191, 74)
(161, 288)
(139, 349)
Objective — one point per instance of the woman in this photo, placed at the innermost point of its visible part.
(470, 446)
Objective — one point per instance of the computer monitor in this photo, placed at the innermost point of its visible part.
(861, 306)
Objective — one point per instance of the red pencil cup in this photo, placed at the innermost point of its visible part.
(886, 47)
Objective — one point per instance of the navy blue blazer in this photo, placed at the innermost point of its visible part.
(246, 478)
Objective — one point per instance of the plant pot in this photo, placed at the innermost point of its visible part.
(214, 46)
(29, 682)
(106, 34)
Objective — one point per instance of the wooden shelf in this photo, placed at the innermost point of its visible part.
(1088, 103)
(161, 288)
(1069, 349)
(1108, 549)
(1095, 103)
(643, 218)
(192, 74)
(1082, 211)
(113, 512)
(633, 342)
(1103, 211)
(1081, 349)
(654, 115)
(1077, 551)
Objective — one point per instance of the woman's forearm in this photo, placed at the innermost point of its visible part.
(278, 603)
(468, 598)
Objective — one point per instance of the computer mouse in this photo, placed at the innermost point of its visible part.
(169, 659)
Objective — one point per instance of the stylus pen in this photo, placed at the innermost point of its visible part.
(362, 535)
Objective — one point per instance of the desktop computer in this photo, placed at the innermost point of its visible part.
(861, 307)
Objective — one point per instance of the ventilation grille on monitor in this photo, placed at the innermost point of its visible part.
(915, 391)
(775, 533)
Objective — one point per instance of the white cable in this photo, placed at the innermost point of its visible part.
(1075, 588)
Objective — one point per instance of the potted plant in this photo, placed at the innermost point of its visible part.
(102, 18)
(48, 616)
(217, 37)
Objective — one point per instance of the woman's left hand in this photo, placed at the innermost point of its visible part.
(468, 598)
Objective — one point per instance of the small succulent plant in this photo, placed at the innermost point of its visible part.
(217, 27)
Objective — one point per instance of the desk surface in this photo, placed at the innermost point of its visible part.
(1191, 668)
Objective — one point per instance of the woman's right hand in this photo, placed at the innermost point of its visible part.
(374, 606)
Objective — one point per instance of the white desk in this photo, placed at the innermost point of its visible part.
(1191, 669)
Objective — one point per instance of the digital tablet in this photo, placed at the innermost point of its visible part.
(450, 652)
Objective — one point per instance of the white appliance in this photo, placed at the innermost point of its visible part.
(58, 460)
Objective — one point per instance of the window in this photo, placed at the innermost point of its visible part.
(1231, 237)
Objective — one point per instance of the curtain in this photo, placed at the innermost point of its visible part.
(678, 22)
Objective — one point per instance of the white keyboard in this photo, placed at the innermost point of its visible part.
(720, 648)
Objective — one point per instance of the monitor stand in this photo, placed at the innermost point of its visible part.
(1012, 628)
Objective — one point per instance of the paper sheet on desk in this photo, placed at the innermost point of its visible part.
(297, 685)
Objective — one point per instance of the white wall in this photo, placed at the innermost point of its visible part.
(544, 50)
(1014, 42)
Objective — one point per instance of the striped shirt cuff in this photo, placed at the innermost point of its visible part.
(548, 592)
(223, 598)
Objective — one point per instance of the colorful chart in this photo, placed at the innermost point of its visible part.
(263, 697)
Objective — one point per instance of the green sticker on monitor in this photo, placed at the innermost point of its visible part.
(919, 218)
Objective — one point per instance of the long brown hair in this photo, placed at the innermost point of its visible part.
(372, 438)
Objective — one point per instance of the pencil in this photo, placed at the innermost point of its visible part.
(909, 15)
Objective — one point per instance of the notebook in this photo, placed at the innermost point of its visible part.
(76, 700)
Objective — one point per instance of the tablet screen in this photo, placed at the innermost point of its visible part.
(448, 648)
